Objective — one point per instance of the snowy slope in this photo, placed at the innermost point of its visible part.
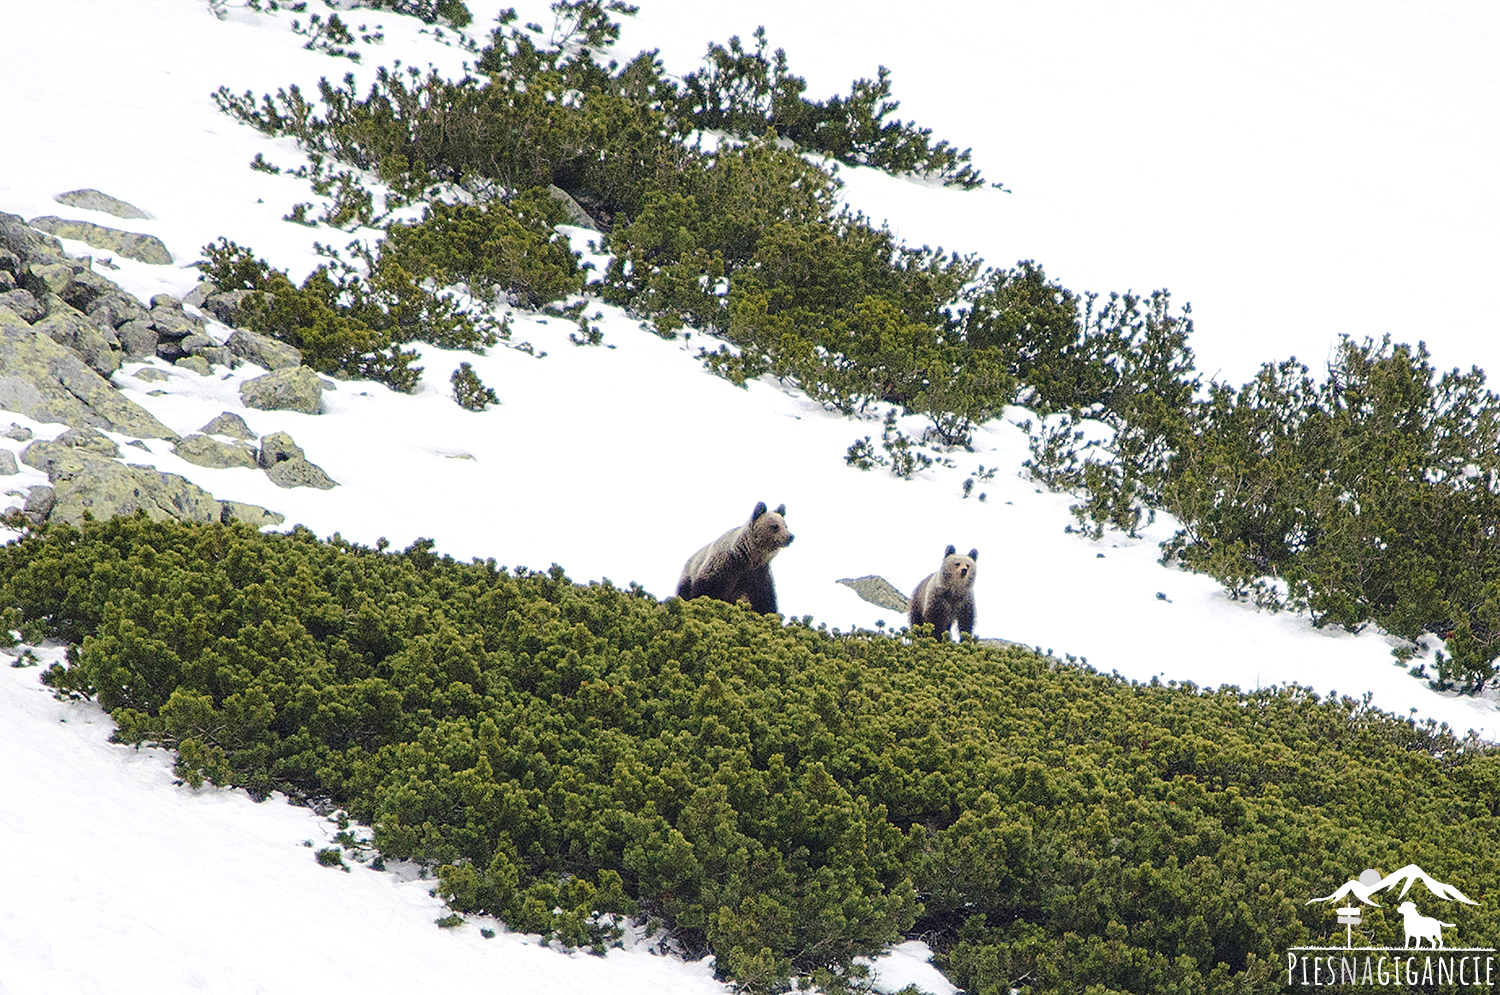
(619, 461)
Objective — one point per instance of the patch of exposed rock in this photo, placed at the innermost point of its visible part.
(131, 245)
(294, 389)
(262, 350)
(93, 200)
(204, 451)
(287, 465)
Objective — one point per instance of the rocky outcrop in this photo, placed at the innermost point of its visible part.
(230, 424)
(203, 451)
(296, 389)
(93, 200)
(287, 466)
(877, 591)
(262, 350)
(131, 245)
(87, 481)
(49, 382)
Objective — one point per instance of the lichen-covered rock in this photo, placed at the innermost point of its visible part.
(203, 451)
(17, 433)
(85, 288)
(24, 304)
(94, 341)
(8, 467)
(196, 343)
(262, 350)
(93, 200)
(877, 591)
(131, 245)
(200, 294)
(278, 447)
(115, 308)
(252, 514)
(151, 374)
(48, 382)
(230, 424)
(299, 473)
(172, 322)
(88, 440)
(39, 502)
(197, 364)
(7, 281)
(229, 306)
(296, 389)
(85, 482)
(138, 339)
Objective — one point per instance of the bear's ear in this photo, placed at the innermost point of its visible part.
(950, 550)
(781, 509)
(760, 509)
(973, 554)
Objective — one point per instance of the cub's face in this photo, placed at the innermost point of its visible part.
(768, 531)
(958, 572)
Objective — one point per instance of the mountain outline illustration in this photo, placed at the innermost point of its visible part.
(1363, 889)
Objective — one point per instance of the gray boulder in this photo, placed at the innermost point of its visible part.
(115, 308)
(93, 200)
(262, 350)
(131, 245)
(7, 280)
(39, 502)
(278, 447)
(200, 294)
(85, 288)
(197, 364)
(229, 424)
(299, 473)
(95, 342)
(88, 440)
(17, 433)
(151, 374)
(203, 451)
(138, 339)
(8, 467)
(24, 304)
(295, 389)
(252, 514)
(83, 481)
(575, 213)
(230, 306)
(171, 322)
(48, 382)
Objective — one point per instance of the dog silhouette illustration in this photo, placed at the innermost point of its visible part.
(1420, 927)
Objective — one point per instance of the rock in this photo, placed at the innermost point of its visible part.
(203, 451)
(17, 433)
(262, 350)
(229, 424)
(85, 288)
(9, 261)
(196, 343)
(47, 382)
(296, 389)
(878, 591)
(151, 374)
(172, 323)
(39, 502)
(50, 278)
(170, 350)
(93, 200)
(24, 304)
(8, 466)
(27, 243)
(197, 364)
(88, 440)
(231, 305)
(131, 245)
(138, 339)
(115, 308)
(278, 447)
(85, 482)
(95, 342)
(299, 473)
(575, 213)
(252, 514)
(200, 294)
(7, 281)
(217, 355)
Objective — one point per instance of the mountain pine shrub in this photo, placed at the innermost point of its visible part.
(469, 391)
(785, 797)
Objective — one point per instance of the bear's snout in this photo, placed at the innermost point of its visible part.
(789, 538)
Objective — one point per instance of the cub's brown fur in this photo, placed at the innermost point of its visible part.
(737, 565)
(947, 596)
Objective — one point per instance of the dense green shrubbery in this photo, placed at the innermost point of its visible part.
(346, 323)
(782, 795)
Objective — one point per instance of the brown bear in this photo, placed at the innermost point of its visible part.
(947, 596)
(737, 565)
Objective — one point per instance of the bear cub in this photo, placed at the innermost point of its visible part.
(947, 596)
(737, 565)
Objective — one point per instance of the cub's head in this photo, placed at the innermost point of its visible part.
(766, 532)
(959, 570)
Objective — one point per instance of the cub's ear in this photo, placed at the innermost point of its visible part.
(950, 550)
(781, 509)
(760, 509)
(973, 554)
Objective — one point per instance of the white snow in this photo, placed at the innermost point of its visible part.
(1293, 171)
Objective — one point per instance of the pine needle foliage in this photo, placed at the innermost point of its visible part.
(786, 797)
